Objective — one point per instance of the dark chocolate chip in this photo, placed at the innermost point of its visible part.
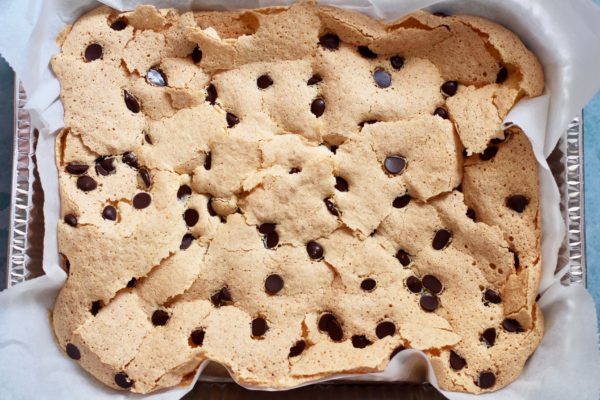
(264, 81)
(471, 213)
(512, 325)
(314, 250)
(396, 351)
(259, 327)
(122, 380)
(71, 220)
(382, 78)
(104, 166)
(449, 88)
(160, 317)
(273, 284)
(93, 52)
(197, 337)
(313, 80)
(403, 257)
(366, 52)
(394, 164)
(397, 62)
(186, 241)
(141, 200)
(222, 297)
(441, 112)
(489, 337)
(331, 207)
(368, 284)
(334, 328)
(489, 153)
(211, 94)
(428, 302)
(492, 296)
(76, 169)
(502, 75)
(330, 41)
(295, 170)
(517, 202)
(196, 55)
(360, 341)
(109, 213)
(131, 283)
(232, 120)
(486, 380)
(208, 161)
(119, 24)
(266, 228)
(86, 183)
(457, 362)
(146, 178)
(191, 216)
(297, 349)
(385, 328)
(183, 191)
(324, 321)
(414, 284)
(441, 239)
(96, 306)
(341, 184)
(130, 159)
(318, 107)
(131, 102)
(73, 351)
(156, 77)
(271, 240)
(401, 201)
(432, 284)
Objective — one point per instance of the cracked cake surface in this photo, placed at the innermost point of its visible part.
(294, 193)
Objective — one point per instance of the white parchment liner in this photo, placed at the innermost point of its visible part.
(565, 35)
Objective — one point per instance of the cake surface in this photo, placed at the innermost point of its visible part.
(295, 192)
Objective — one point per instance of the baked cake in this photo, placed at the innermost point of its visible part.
(294, 193)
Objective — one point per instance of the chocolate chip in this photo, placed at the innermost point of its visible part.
(394, 164)
(366, 52)
(96, 306)
(297, 349)
(414, 284)
(314, 250)
(397, 62)
(131, 283)
(211, 94)
(512, 325)
(266, 228)
(368, 284)
(122, 380)
(146, 178)
(104, 166)
(259, 327)
(449, 88)
(385, 328)
(360, 341)
(191, 217)
(232, 120)
(341, 184)
(441, 112)
(331, 207)
(160, 317)
(208, 161)
(264, 81)
(313, 80)
(492, 296)
(517, 202)
(441, 239)
(131, 102)
(183, 191)
(73, 351)
(488, 153)
(334, 328)
(324, 321)
(330, 41)
(222, 297)
(273, 284)
(457, 362)
(196, 55)
(471, 213)
(70, 220)
(486, 380)
(156, 77)
(401, 201)
(141, 200)
(382, 78)
(502, 75)
(197, 337)
(489, 337)
(396, 351)
(318, 107)
(119, 24)
(186, 241)
(130, 159)
(93, 52)
(271, 240)
(86, 183)
(295, 170)
(404, 258)
(109, 213)
(432, 284)
(76, 169)
(428, 302)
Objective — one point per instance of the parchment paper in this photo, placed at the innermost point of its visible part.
(565, 35)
